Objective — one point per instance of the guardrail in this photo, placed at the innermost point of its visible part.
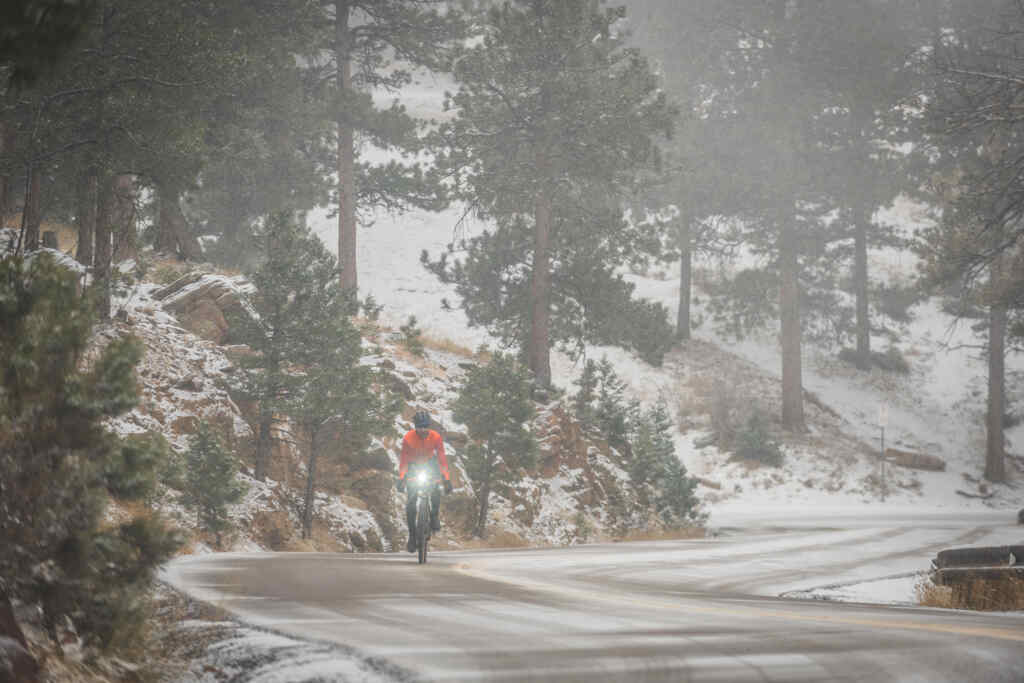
(969, 570)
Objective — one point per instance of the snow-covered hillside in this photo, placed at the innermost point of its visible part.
(937, 409)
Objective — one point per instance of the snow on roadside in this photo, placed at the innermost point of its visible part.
(229, 650)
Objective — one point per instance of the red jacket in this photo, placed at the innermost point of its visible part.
(416, 450)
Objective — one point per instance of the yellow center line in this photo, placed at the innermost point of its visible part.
(748, 612)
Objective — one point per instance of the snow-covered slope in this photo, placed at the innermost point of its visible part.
(937, 409)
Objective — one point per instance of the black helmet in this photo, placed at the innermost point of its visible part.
(421, 419)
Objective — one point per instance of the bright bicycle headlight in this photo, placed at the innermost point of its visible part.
(421, 478)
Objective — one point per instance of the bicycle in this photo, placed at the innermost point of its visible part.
(422, 483)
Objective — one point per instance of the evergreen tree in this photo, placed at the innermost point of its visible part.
(365, 40)
(600, 403)
(652, 445)
(976, 77)
(210, 482)
(58, 466)
(678, 503)
(494, 403)
(338, 401)
(291, 267)
(554, 120)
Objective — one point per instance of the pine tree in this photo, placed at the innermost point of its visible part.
(554, 119)
(210, 481)
(338, 401)
(678, 503)
(600, 403)
(292, 265)
(365, 39)
(494, 403)
(976, 245)
(651, 444)
(58, 465)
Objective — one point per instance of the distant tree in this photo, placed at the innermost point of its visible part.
(210, 481)
(365, 40)
(494, 403)
(554, 119)
(976, 78)
(58, 465)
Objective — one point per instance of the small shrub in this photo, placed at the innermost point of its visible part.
(210, 484)
(600, 403)
(412, 336)
(895, 301)
(723, 413)
(979, 594)
(167, 273)
(755, 443)
(891, 360)
(371, 309)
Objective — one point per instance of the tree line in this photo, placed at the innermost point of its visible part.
(589, 136)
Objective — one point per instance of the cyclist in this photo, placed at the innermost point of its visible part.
(423, 445)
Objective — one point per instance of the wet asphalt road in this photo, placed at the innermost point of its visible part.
(581, 614)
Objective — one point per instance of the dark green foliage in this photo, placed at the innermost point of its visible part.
(652, 445)
(895, 301)
(746, 302)
(591, 302)
(290, 278)
(600, 403)
(338, 401)
(411, 334)
(371, 309)
(37, 34)
(653, 464)
(677, 502)
(555, 120)
(58, 465)
(210, 481)
(890, 360)
(494, 404)
(754, 442)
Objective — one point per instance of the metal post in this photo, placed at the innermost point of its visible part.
(881, 464)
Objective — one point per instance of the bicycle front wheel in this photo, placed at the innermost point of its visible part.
(422, 527)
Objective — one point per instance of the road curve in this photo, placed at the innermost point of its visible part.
(615, 612)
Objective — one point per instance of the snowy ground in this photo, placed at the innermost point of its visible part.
(937, 409)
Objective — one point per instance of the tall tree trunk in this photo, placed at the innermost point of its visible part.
(485, 499)
(307, 508)
(539, 352)
(685, 279)
(346, 150)
(789, 313)
(33, 212)
(85, 216)
(125, 240)
(995, 447)
(259, 469)
(860, 286)
(6, 152)
(172, 233)
(102, 257)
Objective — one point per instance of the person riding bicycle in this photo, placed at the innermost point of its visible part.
(421, 445)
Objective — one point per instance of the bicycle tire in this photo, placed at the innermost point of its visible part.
(422, 527)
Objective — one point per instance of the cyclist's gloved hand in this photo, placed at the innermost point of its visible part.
(400, 484)
(447, 486)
